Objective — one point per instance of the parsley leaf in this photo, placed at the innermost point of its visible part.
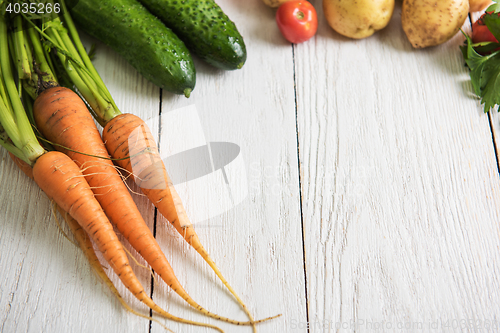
(493, 23)
(494, 7)
(485, 74)
(483, 59)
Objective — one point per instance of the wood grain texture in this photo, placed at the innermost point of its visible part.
(400, 184)
(257, 244)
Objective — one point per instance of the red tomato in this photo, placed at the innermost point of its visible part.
(481, 33)
(297, 21)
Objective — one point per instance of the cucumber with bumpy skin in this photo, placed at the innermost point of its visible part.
(141, 38)
(205, 28)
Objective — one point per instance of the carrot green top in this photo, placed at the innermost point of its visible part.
(16, 132)
(28, 44)
(59, 33)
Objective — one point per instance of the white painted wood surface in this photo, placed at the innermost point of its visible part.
(373, 195)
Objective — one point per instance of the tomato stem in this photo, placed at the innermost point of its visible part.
(300, 15)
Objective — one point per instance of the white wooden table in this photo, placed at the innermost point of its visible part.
(372, 196)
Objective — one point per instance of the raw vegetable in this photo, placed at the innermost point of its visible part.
(131, 144)
(358, 19)
(61, 179)
(485, 69)
(85, 244)
(297, 21)
(142, 39)
(430, 23)
(126, 136)
(205, 28)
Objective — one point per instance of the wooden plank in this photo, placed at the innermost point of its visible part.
(257, 243)
(399, 182)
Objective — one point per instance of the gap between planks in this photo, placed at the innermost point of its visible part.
(155, 219)
(304, 257)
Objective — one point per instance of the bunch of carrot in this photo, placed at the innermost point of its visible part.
(76, 168)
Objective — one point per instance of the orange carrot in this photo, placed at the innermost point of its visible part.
(130, 142)
(85, 244)
(128, 136)
(63, 119)
(61, 179)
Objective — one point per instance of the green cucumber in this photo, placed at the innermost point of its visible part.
(205, 29)
(141, 38)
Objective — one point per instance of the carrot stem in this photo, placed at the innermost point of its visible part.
(84, 82)
(8, 127)
(3, 92)
(27, 47)
(16, 123)
(87, 61)
(82, 73)
(6, 119)
(22, 62)
(7, 144)
(78, 43)
(40, 56)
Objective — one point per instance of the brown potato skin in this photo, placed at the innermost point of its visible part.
(430, 22)
(358, 19)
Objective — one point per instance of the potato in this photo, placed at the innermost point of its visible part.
(274, 3)
(358, 19)
(478, 5)
(432, 22)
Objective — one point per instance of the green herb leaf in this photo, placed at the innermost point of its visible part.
(494, 7)
(492, 21)
(486, 47)
(485, 74)
(490, 91)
